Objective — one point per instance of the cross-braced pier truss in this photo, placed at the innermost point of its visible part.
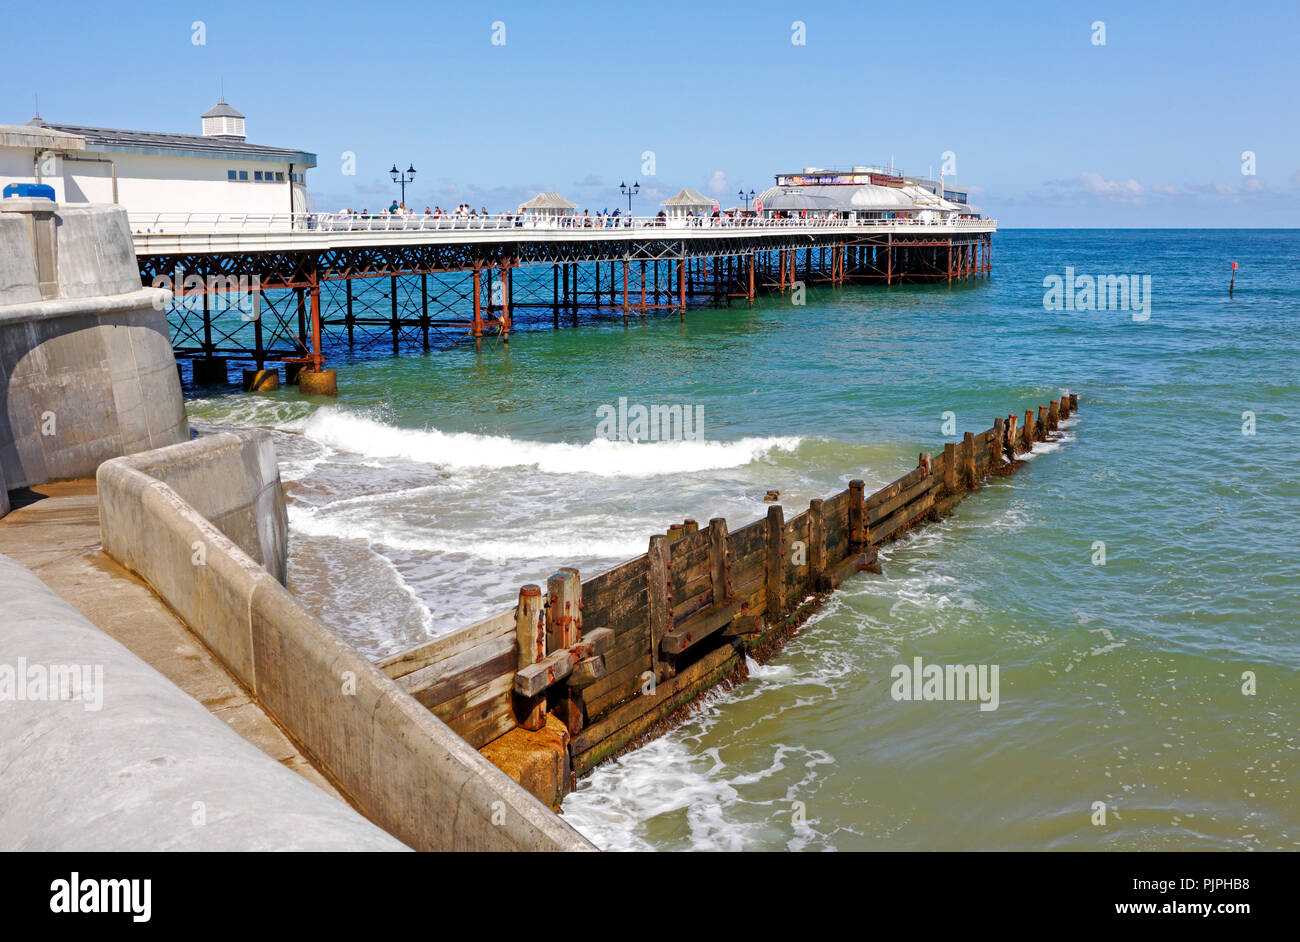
(279, 302)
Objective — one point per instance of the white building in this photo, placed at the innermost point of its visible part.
(865, 193)
(148, 172)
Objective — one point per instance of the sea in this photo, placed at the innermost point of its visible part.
(1136, 584)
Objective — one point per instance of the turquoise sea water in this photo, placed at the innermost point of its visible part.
(437, 484)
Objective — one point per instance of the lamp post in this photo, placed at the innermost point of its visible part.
(629, 192)
(403, 177)
(742, 195)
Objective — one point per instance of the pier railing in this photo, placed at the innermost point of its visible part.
(284, 223)
(617, 656)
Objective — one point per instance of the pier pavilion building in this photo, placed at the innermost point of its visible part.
(865, 193)
(216, 171)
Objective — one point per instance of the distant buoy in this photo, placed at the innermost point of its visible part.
(1232, 280)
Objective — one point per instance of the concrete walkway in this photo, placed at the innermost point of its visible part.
(53, 530)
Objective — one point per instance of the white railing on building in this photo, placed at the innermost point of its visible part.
(285, 223)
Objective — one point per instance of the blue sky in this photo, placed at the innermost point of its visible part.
(1047, 127)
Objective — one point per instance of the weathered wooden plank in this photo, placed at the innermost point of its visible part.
(661, 600)
(884, 510)
(719, 561)
(631, 719)
(866, 561)
(816, 545)
(611, 585)
(625, 616)
(587, 671)
(469, 710)
(948, 468)
(405, 662)
(968, 478)
(698, 628)
(454, 675)
(905, 515)
(775, 572)
(857, 526)
(535, 678)
(485, 723)
(892, 489)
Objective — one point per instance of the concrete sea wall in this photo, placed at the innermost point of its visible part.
(86, 365)
(233, 481)
(405, 769)
(132, 762)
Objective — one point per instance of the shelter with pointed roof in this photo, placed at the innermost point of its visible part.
(548, 205)
(687, 201)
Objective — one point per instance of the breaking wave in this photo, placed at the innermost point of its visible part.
(359, 434)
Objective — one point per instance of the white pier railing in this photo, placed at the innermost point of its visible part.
(322, 223)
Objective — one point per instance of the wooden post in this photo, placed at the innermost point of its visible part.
(674, 532)
(719, 562)
(968, 461)
(563, 609)
(1074, 402)
(949, 468)
(530, 631)
(997, 447)
(1040, 425)
(1028, 437)
(857, 530)
(689, 527)
(564, 628)
(1053, 416)
(816, 544)
(1013, 438)
(660, 600)
(530, 626)
(775, 570)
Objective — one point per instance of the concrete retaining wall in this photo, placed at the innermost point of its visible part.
(398, 762)
(87, 374)
(233, 481)
(134, 763)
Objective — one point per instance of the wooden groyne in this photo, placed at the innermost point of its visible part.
(581, 671)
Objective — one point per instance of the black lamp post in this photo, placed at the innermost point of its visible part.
(742, 195)
(403, 177)
(629, 192)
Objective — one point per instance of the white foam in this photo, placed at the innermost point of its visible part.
(1046, 448)
(358, 433)
(376, 531)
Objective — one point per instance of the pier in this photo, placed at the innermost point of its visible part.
(262, 289)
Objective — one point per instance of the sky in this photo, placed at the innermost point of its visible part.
(1052, 114)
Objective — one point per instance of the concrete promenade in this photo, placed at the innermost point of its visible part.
(56, 535)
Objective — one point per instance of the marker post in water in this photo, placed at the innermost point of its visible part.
(1232, 280)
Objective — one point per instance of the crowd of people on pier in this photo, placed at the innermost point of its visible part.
(465, 216)
(603, 218)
